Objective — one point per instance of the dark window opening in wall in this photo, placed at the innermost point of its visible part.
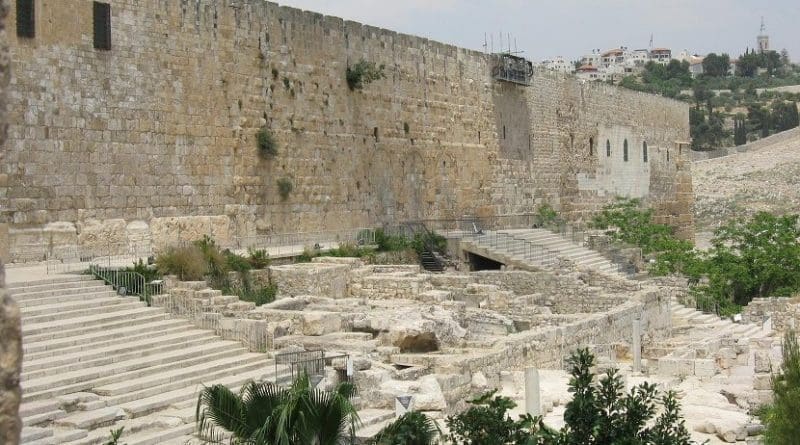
(608, 148)
(102, 26)
(644, 151)
(591, 147)
(530, 146)
(26, 19)
(375, 133)
(504, 131)
(625, 150)
(667, 155)
(479, 137)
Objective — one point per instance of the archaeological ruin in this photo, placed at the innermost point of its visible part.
(245, 128)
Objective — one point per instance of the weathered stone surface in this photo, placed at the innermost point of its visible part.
(420, 329)
(437, 142)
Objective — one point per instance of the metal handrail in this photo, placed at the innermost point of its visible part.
(127, 282)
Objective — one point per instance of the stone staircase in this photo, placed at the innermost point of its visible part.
(95, 361)
(537, 247)
(704, 344)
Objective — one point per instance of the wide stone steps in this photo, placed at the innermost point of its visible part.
(56, 296)
(95, 361)
(103, 356)
(532, 246)
(85, 379)
(75, 310)
(90, 323)
(49, 348)
(55, 282)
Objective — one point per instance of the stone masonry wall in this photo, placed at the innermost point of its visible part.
(157, 135)
(10, 326)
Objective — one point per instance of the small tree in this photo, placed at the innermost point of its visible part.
(780, 417)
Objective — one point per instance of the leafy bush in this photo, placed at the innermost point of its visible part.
(258, 258)
(363, 73)
(547, 215)
(149, 273)
(349, 250)
(216, 260)
(259, 296)
(412, 428)
(437, 242)
(285, 187)
(390, 243)
(487, 421)
(306, 256)
(599, 413)
(187, 262)
(237, 263)
(780, 417)
(266, 143)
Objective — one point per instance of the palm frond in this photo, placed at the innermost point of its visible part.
(219, 407)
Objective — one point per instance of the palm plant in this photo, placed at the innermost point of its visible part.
(265, 414)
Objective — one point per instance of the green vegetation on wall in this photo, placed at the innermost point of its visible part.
(362, 73)
(266, 143)
(780, 417)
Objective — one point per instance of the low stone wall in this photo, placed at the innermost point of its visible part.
(548, 347)
(784, 313)
(699, 156)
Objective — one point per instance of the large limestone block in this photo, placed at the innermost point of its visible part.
(106, 237)
(171, 230)
(426, 392)
(321, 279)
(414, 329)
(321, 323)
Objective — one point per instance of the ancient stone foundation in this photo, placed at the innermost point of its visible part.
(154, 141)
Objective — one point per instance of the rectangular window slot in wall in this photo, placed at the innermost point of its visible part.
(26, 19)
(102, 26)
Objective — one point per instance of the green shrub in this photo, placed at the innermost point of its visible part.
(363, 73)
(266, 143)
(600, 412)
(258, 258)
(187, 262)
(237, 263)
(148, 272)
(412, 428)
(285, 187)
(216, 260)
(349, 250)
(306, 256)
(434, 240)
(547, 215)
(780, 418)
(390, 243)
(259, 296)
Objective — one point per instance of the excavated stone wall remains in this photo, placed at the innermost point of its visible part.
(154, 140)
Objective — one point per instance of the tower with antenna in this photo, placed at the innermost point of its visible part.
(763, 39)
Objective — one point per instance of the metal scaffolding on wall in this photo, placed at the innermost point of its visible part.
(510, 68)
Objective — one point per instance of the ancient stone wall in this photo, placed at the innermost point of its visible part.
(156, 137)
(10, 326)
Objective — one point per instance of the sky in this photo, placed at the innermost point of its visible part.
(545, 29)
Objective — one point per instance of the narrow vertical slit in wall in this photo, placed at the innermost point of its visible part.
(504, 131)
(479, 137)
(102, 25)
(375, 133)
(26, 19)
